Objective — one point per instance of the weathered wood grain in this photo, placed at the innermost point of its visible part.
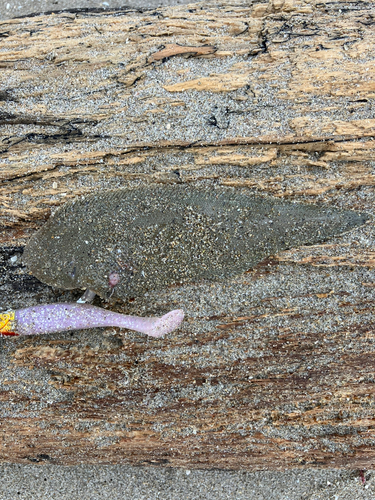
(273, 369)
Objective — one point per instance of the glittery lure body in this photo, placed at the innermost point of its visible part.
(123, 243)
(54, 318)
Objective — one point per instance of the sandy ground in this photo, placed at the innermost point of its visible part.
(15, 8)
(122, 482)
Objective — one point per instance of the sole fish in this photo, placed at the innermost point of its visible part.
(125, 242)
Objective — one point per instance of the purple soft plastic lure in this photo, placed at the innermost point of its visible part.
(54, 318)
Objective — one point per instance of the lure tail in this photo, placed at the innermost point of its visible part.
(53, 318)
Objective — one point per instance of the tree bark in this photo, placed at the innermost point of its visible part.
(270, 370)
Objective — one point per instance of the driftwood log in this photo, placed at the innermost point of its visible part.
(270, 370)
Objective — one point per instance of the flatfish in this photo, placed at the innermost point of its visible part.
(125, 242)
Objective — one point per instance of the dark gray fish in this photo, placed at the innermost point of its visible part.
(128, 241)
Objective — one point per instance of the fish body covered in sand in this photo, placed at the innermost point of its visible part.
(125, 242)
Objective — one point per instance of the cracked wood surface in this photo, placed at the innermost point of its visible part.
(272, 369)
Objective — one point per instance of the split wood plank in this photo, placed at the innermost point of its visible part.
(270, 370)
